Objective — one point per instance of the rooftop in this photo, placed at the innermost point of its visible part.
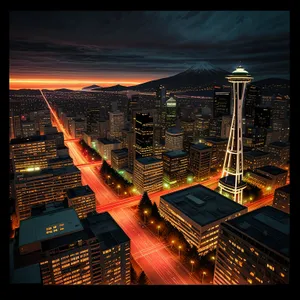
(34, 229)
(272, 170)
(106, 229)
(176, 153)
(279, 144)
(256, 153)
(30, 139)
(202, 205)
(148, 160)
(267, 225)
(285, 189)
(215, 140)
(79, 191)
(106, 141)
(174, 130)
(200, 146)
(60, 158)
(28, 274)
(120, 151)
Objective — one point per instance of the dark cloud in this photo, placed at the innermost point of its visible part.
(160, 43)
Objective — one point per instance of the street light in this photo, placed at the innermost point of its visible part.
(118, 186)
(179, 247)
(213, 258)
(192, 263)
(173, 242)
(145, 213)
(158, 227)
(108, 177)
(152, 222)
(203, 273)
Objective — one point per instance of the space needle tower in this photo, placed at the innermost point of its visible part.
(231, 183)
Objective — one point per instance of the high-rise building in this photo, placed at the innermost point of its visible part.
(175, 164)
(215, 127)
(119, 159)
(148, 174)
(32, 153)
(231, 182)
(256, 159)
(130, 146)
(279, 105)
(41, 118)
(132, 106)
(174, 139)
(171, 110)
(103, 128)
(116, 124)
(92, 119)
(218, 149)
(77, 127)
(28, 128)
(252, 100)
(188, 126)
(279, 153)
(200, 160)
(262, 117)
(105, 146)
(143, 135)
(254, 249)
(82, 199)
(197, 213)
(282, 198)
(15, 119)
(60, 161)
(160, 97)
(201, 126)
(43, 186)
(67, 251)
(221, 105)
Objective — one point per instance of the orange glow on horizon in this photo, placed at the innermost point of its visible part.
(75, 84)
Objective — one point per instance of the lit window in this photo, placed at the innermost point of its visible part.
(249, 280)
(282, 275)
(270, 267)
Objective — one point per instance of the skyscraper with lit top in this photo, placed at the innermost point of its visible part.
(231, 183)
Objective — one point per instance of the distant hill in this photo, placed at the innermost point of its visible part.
(26, 91)
(64, 90)
(115, 88)
(91, 87)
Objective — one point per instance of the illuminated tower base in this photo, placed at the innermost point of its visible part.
(231, 183)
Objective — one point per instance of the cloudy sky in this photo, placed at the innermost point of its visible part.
(72, 49)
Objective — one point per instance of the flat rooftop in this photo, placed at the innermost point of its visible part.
(279, 144)
(120, 151)
(176, 153)
(60, 158)
(106, 141)
(47, 172)
(30, 139)
(34, 229)
(267, 225)
(256, 153)
(28, 274)
(79, 191)
(174, 130)
(106, 229)
(202, 205)
(200, 146)
(272, 170)
(148, 160)
(285, 189)
(215, 140)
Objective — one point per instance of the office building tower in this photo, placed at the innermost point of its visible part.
(158, 150)
(160, 97)
(256, 159)
(218, 149)
(77, 128)
(267, 178)
(116, 124)
(49, 129)
(105, 146)
(130, 146)
(148, 174)
(132, 106)
(43, 186)
(41, 118)
(82, 199)
(58, 137)
(174, 139)
(254, 249)
(187, 126)
(15, 119)
(279, 105)
(62, 160)
(253, 99)
(262, 117)
(215, 126)
(92, 119)
(221, 104)
(67, 251)
(171, 115)
(103, 128)
(175, 164)
(32, 153)
(282, 198)
(119, 159)
(201, 126)
(231, 181)
(200, 160)
(279, 153)
(28, 129)
(197, 213)
(143, 135)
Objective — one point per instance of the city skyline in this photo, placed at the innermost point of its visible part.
(77, 49)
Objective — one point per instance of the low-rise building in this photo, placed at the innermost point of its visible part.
(256, 159)
(279, 153)
(119, 159)
(105, 146)
(282, 198)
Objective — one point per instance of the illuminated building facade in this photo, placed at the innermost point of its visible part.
(116, 124)
(28, 128)
(132, 105)
(231, 182)
(171, 113)
(279, 153)
(282, 198)
(15, 119)
(188, 127)
(218, 149)
(200, 160)
(43, 186)
(267, 178)
(221, 104)
(77, 127)
(174, 139)
(215, 127)
(143, 135)
(254, 249)
(158, 150)
(197, 213)
(175, 164)
(92, 118)
(41, 118)
(93, 251)
(201, 126)
(60, 162)
(32, 153)
(252, 100)
(119, 159)
(58, 137)
(105, 146)
(82, 199)
(148, 174)
(256, 159)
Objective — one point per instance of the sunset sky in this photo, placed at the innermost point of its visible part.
(61, 49)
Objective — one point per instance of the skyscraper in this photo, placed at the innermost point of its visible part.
(132, 105)
(252, 100)
(116, 124)
(160, 97)
(170, 115)
(221, 105)
(231, 183)
(143, 135)
(15, 119)
(93, 117)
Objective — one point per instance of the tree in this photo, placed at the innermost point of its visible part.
(145, 204)
(133, 275)
(105, 168)
(155, 213)
(143, 280)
